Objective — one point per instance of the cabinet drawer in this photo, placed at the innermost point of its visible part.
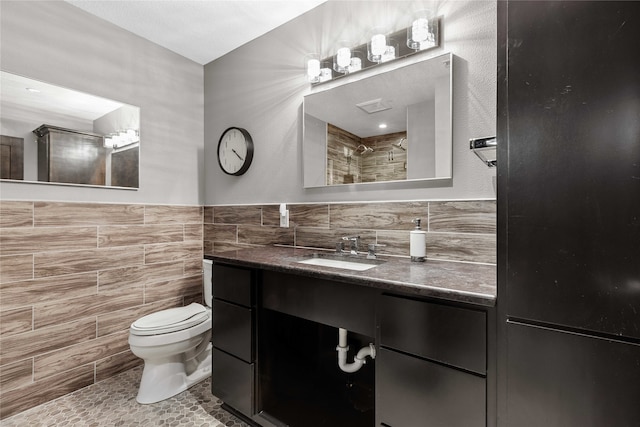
(451, 335)
(416, 392)
(336, 304)
(232, 381)
(233, 329)
(233, 284)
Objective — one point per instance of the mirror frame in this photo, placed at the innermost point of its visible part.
(311, 155)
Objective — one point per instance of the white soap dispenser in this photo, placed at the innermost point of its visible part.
(418, 243)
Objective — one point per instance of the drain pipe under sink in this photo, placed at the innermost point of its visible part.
(359, 360)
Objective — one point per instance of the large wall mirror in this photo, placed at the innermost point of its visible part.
(391, 126)
(57, 135)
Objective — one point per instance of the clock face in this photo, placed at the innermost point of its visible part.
(235, 151)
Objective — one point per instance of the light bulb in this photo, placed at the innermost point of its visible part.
(378, 44)
(420, 30)
(313, 69)
(343, 58)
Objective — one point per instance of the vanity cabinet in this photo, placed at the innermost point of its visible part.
(233, 337)
(431, 365)
(276, 330)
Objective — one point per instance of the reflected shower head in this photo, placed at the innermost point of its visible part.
(363, 150)
(399, 144)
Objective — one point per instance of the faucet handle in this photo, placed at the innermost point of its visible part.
(372, 250)
(354, 242)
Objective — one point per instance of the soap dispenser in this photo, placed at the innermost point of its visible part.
(418, 243)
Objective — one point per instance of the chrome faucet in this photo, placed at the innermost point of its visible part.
(372, 250)
(354, 244)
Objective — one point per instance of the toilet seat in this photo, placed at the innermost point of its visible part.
(170, 320)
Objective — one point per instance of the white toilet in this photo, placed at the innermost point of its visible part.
(175, 345)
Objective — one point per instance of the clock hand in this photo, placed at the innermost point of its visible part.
(236, 153)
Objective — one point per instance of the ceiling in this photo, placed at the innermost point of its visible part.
(201, 30)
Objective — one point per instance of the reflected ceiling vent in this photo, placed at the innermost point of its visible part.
(374, 106)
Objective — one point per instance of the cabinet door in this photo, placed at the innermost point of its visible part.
(573, 200)
(562, 379)
(414, 392)
(232, 381)
(452, 335)
(233, 284)
(233, 329)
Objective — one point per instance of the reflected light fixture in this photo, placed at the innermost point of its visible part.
(121, 138)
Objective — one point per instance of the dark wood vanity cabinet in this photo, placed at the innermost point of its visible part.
(431, 365)
(233, 337)
(274, 358)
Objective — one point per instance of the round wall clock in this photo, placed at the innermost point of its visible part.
(235, 151)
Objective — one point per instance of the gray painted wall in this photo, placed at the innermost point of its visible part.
(260, 86)
(58, 43)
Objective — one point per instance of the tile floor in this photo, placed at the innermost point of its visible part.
(112, 402)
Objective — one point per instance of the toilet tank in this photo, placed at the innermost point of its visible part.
(207, 265)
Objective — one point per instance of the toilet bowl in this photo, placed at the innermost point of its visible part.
(175, 345)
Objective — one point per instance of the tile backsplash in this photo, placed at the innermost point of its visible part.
(74, 276)
(456, 230)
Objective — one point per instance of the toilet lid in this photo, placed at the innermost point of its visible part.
(170, 320)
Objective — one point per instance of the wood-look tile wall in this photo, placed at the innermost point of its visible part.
(463, 231)
(73, 277)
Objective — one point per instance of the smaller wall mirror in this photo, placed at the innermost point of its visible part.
(57, 135)
(391, 126)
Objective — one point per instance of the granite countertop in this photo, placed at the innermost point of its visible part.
(454, 281)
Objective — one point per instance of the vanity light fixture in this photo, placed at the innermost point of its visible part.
(346, 60)
(325, 74)
(382, 46)
(342, 60)
(421, 33)
(312, 66)
(377, 45)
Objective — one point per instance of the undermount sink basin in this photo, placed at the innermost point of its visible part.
(346, 262)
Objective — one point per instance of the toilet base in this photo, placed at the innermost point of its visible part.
(162, 379)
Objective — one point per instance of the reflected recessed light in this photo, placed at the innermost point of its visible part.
(30, 89)
(382, 125)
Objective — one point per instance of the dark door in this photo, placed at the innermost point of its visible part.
(574, 164)
(569, 213)
(11, 157)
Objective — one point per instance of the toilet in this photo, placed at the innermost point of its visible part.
(175, 345)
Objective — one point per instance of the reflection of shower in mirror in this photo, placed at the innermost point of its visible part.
(400, 142)
(363, 150)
